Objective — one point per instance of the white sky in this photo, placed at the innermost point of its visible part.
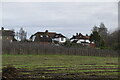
(62, 17)
(60, 0)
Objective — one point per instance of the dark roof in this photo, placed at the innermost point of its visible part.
(80, 36)
(74, 41)
(50, 34)
(59, 35)
(7, 32)
(45, 39)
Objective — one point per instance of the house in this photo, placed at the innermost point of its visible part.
(48, 37)
(81, 39)
(7, 35)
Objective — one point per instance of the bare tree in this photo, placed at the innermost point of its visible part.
(95, 28)
(21, 34)
(103, 30)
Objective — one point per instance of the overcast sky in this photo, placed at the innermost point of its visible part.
(61, 17)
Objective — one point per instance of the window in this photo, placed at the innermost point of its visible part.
(47, 36)
(7, 37)
(62, 39)
(33, 38)
(41, 35)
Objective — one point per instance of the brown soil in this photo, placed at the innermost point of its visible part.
(11, 73)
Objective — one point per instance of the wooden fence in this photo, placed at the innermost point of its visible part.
(35, 48)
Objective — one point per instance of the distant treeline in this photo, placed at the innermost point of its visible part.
(35, 48)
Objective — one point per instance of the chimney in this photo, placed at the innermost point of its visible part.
(46, 31)
(86, 34)
(76, 34)
(2, 28)
(79, 34)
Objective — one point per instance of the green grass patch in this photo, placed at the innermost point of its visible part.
(62, 64)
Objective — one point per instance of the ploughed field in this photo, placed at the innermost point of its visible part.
(62, 66)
